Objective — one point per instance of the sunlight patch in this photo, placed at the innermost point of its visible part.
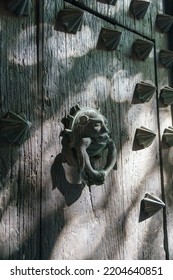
(62, 46)
(24, 49)
(78, 239)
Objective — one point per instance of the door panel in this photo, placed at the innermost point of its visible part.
(20, 167)
(44, 72)
(104, 219)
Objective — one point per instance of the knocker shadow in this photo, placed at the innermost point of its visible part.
(71, 192)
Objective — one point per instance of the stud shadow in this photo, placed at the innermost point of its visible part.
(164, 145)
(142, 214)
(136, 146)
(135, 98)
(164, 142)
(161, 103)
(108, 2)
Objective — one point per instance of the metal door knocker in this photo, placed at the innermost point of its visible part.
(84, 138)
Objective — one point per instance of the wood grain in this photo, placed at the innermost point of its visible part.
(105, 219)
(20, 166)
(44, 72)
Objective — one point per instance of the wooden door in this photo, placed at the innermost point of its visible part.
(44, 72)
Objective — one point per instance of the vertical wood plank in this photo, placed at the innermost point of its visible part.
(104, 219)
(44, 73)
(61, 206)
(20, 166)
(165, 119)
(137, 170)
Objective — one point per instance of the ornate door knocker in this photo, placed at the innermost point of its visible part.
(84, 138)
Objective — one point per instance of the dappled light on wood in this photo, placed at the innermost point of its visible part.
(25, 55)
(73, 242)
(44, 73)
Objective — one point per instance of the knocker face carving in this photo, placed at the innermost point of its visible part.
(85, 136)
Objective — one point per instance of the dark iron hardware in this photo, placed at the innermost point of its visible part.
(139, 8)
(14, 128)
(144, 91)
(164, 22)
(166, 58)
(144, 136)
(84, 138)
(168, 136)
(20, 7)
(109, 38)
(150, 205)
(142, 49)
(166, 95)
(69, 20)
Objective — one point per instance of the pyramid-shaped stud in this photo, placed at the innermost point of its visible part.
(14, 128)
(166, 95)
(151, 204)
(168, 136)
(142, 49)
(110, 38)
(70, 19)
(166, 58)
(144, 137)
(164, 22)
(144, 91)
(139, 8)
(20, 7)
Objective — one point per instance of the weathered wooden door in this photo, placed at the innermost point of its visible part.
(44, 72)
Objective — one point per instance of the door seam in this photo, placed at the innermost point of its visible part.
(106, 18)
